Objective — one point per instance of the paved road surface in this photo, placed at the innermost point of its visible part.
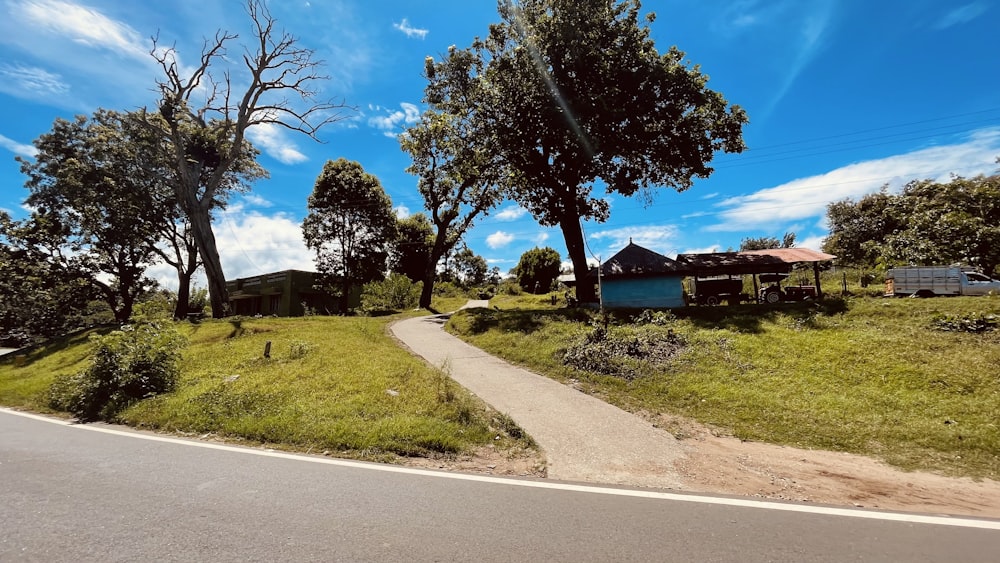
(80, 493)
(584, 438)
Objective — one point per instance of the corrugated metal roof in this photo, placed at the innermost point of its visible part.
(793, 255)
(634, 260)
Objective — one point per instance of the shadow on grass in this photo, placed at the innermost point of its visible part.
(525, 321)
(30, 354)
(748, 318)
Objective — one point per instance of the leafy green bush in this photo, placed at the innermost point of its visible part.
(395, 293)
(448, 289)
(138, 361)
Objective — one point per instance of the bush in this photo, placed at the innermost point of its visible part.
(448, 289)
(138, 361)
(395, 293)
(625, 352)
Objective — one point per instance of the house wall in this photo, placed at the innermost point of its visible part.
(660, 292)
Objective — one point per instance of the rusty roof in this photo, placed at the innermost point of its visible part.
(793, 255)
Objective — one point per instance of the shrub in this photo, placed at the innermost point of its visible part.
(448, 289)
(625, 352)
(395, 293)
(138, 361)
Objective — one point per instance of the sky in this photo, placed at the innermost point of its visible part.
(843, 97)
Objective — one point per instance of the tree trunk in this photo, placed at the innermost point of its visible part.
(183, 294)
(345, 293)
(430, 271)
(573, 234)
(201, 227)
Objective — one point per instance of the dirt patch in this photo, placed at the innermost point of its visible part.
(486, 460)
(727, 465)
(723, 464)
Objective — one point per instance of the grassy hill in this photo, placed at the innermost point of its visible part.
(336, 384)
(897, 379)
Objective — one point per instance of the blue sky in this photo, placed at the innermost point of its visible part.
(843, 97)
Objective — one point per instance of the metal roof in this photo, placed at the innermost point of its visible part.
(793, 255)
(634, 260)
(772, 261)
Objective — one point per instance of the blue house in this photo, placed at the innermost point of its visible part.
(639, 278)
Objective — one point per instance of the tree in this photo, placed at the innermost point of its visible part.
(413, 246)
(453, 154)
(858, 229)
(471, 268)
(537, 269)
(954, 222)
(767, 243)
(204, 119)
(927, 223)
(89, 183)
(350, 227)
(580, 96)
(39, 295)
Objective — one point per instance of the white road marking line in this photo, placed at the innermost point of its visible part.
(659, 495)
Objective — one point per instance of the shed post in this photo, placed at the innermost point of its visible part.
(819, 290)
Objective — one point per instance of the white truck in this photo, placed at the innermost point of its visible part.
(928, 281)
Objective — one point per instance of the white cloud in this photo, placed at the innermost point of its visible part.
(712, 195)
(402, 211)
(30, 81)
(812, 243)
(19, 149)
(541, 237)
(410, 31)
(511, 213)
(703, 250)
(251, 243)
(962, 14)
(84, 25)
(256, 200)
(499, 239)
(808, 197)
(658, 238)
(388, 122)
(273, 140)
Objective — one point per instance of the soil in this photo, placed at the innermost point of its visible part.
(727, 465)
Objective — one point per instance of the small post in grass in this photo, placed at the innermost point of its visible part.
(267, 349)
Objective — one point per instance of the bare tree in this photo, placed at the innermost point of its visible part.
(204, 118)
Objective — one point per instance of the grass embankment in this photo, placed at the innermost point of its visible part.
(337, 384)
(869, 376)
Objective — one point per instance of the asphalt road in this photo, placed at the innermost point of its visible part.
(96, 493)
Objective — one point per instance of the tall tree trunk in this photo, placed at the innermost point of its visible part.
(573, 234)
(345, 293)
(430, 270)
(183, 294)
(201, 227)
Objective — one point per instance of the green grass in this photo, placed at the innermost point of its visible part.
(337, 384)
(869, 376)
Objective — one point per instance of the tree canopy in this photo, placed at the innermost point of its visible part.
(100, 205)
(581, 97)
(350, 226)
(767, 243)
(537, 269)
(412, 250)
(454, 154)
(927, 223)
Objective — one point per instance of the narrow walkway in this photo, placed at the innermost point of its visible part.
(584, 438)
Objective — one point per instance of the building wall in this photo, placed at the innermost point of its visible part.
(279, 293)
(661, 292)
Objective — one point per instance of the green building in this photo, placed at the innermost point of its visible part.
(283, 294)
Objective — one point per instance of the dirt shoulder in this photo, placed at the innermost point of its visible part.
(726, 465)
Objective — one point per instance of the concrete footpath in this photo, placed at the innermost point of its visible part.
(583, 438)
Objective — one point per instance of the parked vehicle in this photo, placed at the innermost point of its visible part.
(714, 290)
(774, 293)
(938, 280)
